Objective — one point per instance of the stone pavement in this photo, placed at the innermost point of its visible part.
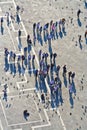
(22, 92)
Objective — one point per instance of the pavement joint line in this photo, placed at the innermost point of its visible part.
(0, 9)
(2, 16)
(1, 52)
(21, 48)
(1, 125)
(4, 112)
(37, 110)
(45, 125)
(63, 125)
(27, 70)
(6, 2)
(11, 39)
(18, 129)
(24, 90)
(30, 122)
(22, 82)
(12, 24)
(15, 96)
(18, 123)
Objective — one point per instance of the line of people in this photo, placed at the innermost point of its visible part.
(50, 31)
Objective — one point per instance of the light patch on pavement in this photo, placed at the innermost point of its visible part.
(1, 125)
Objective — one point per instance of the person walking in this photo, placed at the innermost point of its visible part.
(64, 70)
(78, 13)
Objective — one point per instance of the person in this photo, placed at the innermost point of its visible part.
(28, 39)
(51, 23)
(17, 8)
(80, 38)
(5, 92)
(17, 18)
(73, 75)
(8, 21)
(51, 55)
(2, 29)
(51, 67)
(64, 70)
(43, 98)
(85, 34)
(57, 70)
(54, 56)
(60, 23)
(2, 20)
(34, 26)
(33, 57)
(69, 75)
(40, 30)
(48, 67)
(46, 55)
(36, 74)
(78, 13)
(23, 58)
(25, 114)
(14, 56)
(6, 52)
(43, 56)
(10, 56)
(19, 33)
(40, 54)
(63, 20)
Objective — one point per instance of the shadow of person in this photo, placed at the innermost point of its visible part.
(33, 65)
(57, 100)
(73, 87)
(41, 40)
(63, 30)
(2, 30)
(6, 64)
(36, 84)
(5, 95)
(49, 48)
(29, 48)
(65, 81)
(80, 45)
(71, 99)
(19, 68)
(19, 44)
(60, 34)
(85, 4)
(14, 69)
(17, 18)
(44, 86)
(79, 22)
(86, 40)
(60, 96)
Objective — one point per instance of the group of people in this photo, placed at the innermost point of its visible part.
(46, 70)
(18, 63)
(50, 30)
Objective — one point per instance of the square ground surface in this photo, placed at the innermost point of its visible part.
(18, 105)
(23, 91)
